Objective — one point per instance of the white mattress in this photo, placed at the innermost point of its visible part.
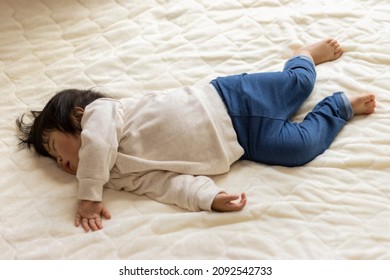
(336, 207)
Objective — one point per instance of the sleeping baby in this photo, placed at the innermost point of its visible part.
(165, 145)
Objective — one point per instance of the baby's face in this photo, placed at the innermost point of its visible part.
(64, 147)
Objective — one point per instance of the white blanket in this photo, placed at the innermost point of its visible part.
(336, 207)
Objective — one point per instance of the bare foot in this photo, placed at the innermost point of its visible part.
(363, 104)
(323, 51)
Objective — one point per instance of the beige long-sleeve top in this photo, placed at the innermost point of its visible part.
(163, 146)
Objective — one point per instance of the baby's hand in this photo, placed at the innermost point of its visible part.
(89, 215)
(224, 202)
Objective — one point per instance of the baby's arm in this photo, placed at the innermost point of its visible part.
(99, 137)
(224, 202)
(194, 193)
(89, 215)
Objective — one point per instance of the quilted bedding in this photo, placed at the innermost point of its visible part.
(336, 207)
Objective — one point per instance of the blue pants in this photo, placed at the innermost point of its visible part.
(261, 105)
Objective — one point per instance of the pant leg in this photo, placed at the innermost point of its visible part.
(278, 142)
(270, 94)
(261, 105)
(253, 98)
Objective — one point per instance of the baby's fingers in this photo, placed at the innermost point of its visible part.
(77, 220)
(224, 202)
(241, 204)
(106, 214)
(85, 224)
(95, 224)
(81, 221)
(232, 205)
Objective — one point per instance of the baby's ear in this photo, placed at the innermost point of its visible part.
(78, 113)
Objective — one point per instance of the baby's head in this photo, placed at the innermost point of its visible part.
(62, 113)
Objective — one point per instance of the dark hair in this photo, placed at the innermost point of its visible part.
(58, 114)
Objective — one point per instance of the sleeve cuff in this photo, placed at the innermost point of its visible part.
(90, 189)
(207, 194)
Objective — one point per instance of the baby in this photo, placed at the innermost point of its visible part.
(165, 145)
